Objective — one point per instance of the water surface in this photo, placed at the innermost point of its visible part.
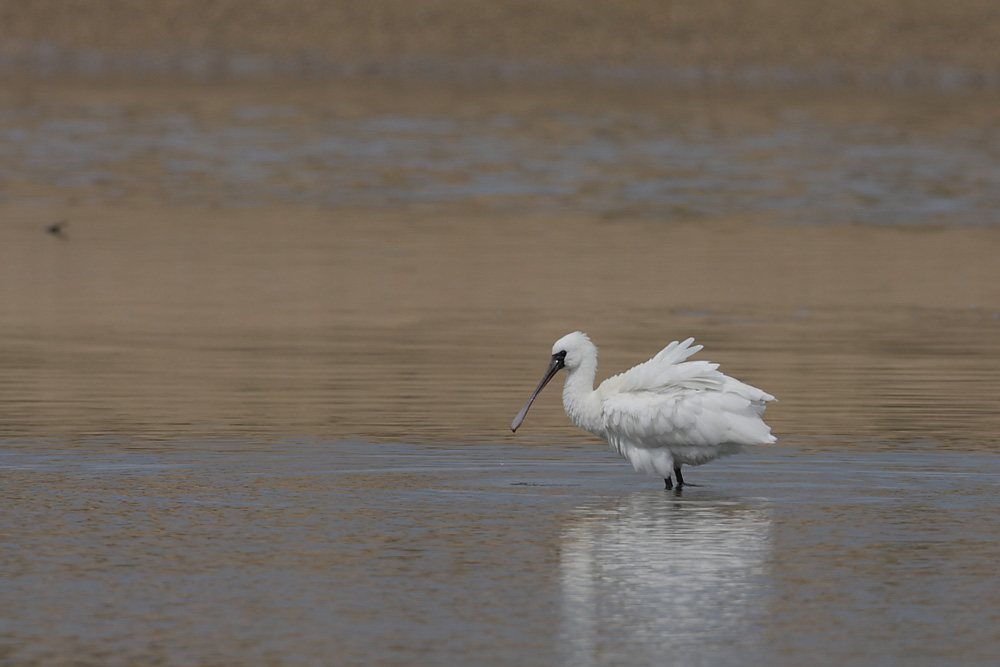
(254, 401)
(351, 552)
(795, 159)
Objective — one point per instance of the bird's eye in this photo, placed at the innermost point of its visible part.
(560, 355)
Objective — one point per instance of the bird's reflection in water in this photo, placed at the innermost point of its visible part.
(653, 579)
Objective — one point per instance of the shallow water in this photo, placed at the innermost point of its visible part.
(352, 552)
(255, 398)
(620, 153)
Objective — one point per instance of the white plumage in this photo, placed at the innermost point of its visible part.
(661, 414)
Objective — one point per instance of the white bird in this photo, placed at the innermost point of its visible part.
(661, 414)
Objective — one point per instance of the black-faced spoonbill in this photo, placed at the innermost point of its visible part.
(661, 414)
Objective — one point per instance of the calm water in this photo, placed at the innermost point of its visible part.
(621, 153)
(306, 552)
(254, 402)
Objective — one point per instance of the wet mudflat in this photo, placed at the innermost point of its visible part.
(254, 399)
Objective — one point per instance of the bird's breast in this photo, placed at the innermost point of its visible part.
(586, 412)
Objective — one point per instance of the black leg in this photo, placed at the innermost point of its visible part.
(679, 476)
(667, 483)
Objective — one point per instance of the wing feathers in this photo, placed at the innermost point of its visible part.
(657, 371)
(671, 401)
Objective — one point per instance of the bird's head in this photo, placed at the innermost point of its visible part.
(574, 349)
(569, 352)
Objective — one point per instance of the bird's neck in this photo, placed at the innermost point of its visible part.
(581, 402)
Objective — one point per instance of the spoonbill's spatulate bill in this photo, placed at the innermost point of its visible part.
(661, 414)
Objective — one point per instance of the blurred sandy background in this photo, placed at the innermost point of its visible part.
(905, 43)
(284, 218)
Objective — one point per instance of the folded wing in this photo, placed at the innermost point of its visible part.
(670, 401)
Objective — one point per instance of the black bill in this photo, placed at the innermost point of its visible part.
(554, 366)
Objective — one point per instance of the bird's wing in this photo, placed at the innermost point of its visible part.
(662, 370)
(685, 417)
(668, 400)
(758, 397)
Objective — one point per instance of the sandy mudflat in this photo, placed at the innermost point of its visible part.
(872, 42)
(352, 262)
(172, 322)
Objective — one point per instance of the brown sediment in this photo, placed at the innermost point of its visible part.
(871, 42)
(172, 307)
(189, 300)
(167, 322)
